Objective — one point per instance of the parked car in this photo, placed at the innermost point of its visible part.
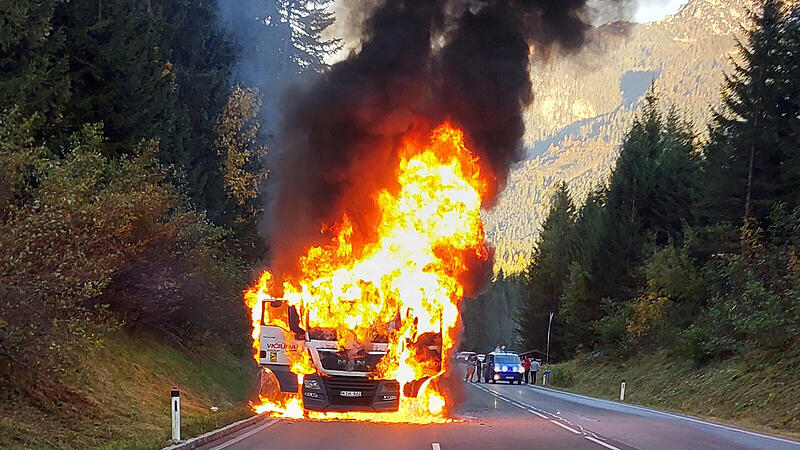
(462, 357)
(503, 366)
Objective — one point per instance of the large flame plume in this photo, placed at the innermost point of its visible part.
(428, 236)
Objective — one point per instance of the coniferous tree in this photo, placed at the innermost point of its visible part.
(32, 73)
(548, 271)
(651, 193)
(201, 57)
(587, 281)
(308, 21)
(119, 74)
(789, 95)
(280, 41)
(744, 154)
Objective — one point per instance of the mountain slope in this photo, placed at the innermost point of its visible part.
(584, 104)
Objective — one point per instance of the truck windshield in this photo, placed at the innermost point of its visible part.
(322, 334)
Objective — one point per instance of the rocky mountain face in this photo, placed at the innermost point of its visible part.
(585, 103)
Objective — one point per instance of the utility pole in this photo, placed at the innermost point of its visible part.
(547, 355)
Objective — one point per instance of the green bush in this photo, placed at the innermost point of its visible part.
(612, 329)
(562, 377)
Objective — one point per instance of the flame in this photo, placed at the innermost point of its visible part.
(412, 274)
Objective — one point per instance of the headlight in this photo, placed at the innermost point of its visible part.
(496, 368)
(311, 384)
(521, 369)
(505, 368)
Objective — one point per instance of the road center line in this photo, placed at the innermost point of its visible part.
(565, 427)
(556, 420)
(537, 413)
(436, 446)
(244, 436)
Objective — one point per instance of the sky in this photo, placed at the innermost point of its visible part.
(652, 10)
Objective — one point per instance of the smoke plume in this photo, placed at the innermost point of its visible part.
(420, 62)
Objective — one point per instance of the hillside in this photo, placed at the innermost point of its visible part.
(585, 102)
(754, 391)
(116, 395)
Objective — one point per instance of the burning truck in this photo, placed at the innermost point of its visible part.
(369, 324)
(344, 378)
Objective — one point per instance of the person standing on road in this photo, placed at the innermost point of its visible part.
(478, 368)
(471, 363)
(526, 364)
(534, 369)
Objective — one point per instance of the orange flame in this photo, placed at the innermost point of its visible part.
(428, 230)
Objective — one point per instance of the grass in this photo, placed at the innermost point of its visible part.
(127, 384)
(755, 391)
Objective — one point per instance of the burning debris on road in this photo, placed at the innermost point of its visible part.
(384, 165)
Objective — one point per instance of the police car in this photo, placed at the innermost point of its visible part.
(503, 366)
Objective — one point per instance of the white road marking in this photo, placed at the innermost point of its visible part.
(555, 421)
(677, 416)
(244, 436)
(604, 444)
(537, 413)
(436, 446)
(565, 427)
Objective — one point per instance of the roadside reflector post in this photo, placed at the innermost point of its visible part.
(622, 391)
(176, 414)
(544, 380)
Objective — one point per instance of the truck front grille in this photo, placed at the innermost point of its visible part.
(336, 384)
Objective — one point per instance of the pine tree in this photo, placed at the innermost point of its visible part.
(789, 88)
(201, 56)
(548, 270)
(280, 40)
(308, 21)
(743, 157)
(32, 71)
(118, 72)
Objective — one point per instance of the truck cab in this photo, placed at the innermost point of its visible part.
(342, 380)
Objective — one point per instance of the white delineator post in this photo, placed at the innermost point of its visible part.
(176, 414)
(544, 380)
(622, 392)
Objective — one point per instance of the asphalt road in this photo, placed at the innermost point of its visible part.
(501, 416)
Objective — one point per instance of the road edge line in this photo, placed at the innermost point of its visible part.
(676, 415)
(213, 435)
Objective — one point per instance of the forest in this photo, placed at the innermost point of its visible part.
(692, 244)
(132, 135)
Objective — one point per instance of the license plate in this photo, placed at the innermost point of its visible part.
(350, 393)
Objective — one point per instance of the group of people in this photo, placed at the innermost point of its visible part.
(475, 369)
(531, 366)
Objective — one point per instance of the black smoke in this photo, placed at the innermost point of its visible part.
(420, 62)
